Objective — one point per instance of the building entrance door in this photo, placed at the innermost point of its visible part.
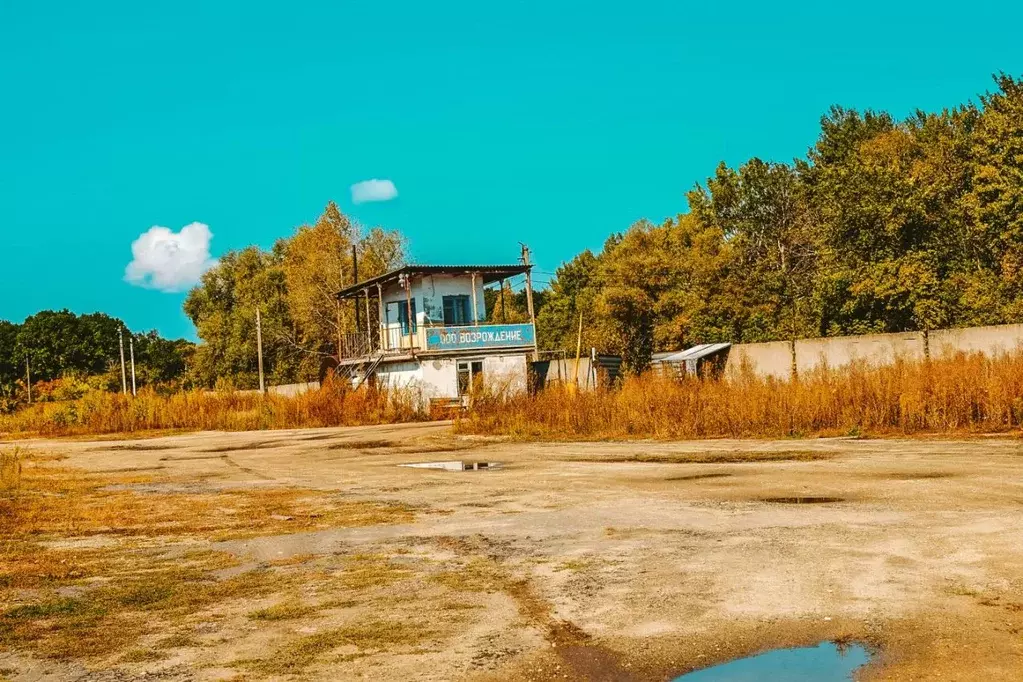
(470, 376)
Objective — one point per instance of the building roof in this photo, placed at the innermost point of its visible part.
(694, 353)
(488, 273)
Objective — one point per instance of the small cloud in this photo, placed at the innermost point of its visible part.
(373, 190)
(168, 260)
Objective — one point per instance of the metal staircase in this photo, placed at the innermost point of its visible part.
(370, 368)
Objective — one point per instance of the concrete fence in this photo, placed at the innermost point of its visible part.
(291, 390)
(775, 358)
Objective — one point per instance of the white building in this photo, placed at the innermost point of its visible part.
(447, 349)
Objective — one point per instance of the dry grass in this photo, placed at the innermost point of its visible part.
(367, 635)
(68, 503)
(88, 569)
(959, 393)
(10, 471)
(282, 611)
(112, 617)
(101, 412)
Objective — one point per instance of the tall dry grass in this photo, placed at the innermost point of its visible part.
(102, 412)
(955, 393)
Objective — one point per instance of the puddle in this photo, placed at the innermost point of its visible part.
(826, 662)
(802, 500)
(454, 465)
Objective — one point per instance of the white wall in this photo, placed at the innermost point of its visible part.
(505, 372)
(429, 292)
(433, 288)
(292, 390)
(440, 378)
(399, 374)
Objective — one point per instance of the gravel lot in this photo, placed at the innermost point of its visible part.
(622, 561)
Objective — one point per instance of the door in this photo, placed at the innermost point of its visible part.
(397, 335)
(470, 376)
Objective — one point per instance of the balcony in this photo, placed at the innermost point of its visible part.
(391, 340)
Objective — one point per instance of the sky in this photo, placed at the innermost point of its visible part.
(127, 128)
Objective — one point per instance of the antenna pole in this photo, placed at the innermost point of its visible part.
(529, 296)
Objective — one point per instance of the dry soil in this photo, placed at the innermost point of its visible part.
(602, 561)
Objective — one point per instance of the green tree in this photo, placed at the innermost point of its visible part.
(223, 310)
(294, 286)
(994, 201)
(11, 365)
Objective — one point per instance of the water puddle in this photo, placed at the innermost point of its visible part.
(454, 465)
(802, 500)
(826, 662)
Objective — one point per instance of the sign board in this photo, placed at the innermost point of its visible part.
(480, 338)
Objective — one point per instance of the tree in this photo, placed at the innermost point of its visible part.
(11, 365)
(294, 286)
(317, 264)
(994, 201)
(223, 310)
(884, 226)
(60, 341)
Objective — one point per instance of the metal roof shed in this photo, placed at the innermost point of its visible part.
(692, 360)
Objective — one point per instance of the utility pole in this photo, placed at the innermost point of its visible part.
(406, 282)
(131, 348)
(124, 374)
(504, 310)
(259, 350)
(355, 280)
(28, 378)
(337, 308)
(475, 315)
(529, 296)
(578, 349)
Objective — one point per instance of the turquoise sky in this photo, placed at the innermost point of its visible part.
(552, 123)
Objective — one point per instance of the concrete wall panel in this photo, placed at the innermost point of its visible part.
(775, 358)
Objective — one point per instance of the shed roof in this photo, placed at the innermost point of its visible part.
(488, 273)
(694, 353)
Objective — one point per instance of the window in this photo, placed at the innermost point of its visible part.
(457, 310)
(403, 316)
(470, 376)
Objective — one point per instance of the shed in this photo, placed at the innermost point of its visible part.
(696, 361)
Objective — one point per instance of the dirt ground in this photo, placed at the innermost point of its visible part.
(601, 561)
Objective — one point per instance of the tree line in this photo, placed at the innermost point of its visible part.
(58, 344)
(884, 226)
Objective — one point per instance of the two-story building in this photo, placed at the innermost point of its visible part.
(425, 326)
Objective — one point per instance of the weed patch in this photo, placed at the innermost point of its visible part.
(953, 393)
(371, 635)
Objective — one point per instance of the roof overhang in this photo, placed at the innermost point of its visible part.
(488, 273)
(695, 353)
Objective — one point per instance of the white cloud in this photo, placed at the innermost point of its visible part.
(168, 260)
(373, 190)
